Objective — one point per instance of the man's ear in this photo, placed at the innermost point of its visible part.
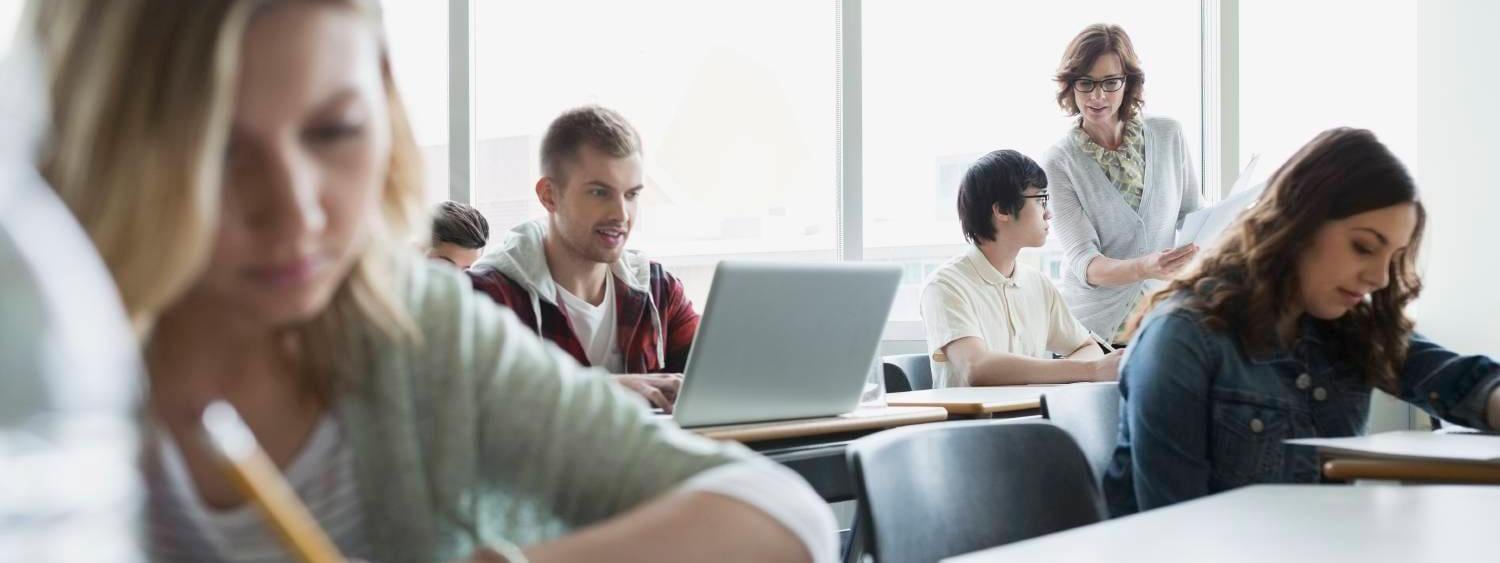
(546, 193)
(1001, 216)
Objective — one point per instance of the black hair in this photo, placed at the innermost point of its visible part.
(459, 224)
(995, 181)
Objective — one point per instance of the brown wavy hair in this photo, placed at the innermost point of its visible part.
(1090, 44)
(1249, 285)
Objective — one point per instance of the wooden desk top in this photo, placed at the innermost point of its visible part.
(1263, 523)
(975, 400)
(1411, 470)
(876, 418)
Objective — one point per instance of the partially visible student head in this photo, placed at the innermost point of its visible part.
(459, 233)
(1003, 196)
(591, 181)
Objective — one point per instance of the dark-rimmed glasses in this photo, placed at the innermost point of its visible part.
(1110, 84)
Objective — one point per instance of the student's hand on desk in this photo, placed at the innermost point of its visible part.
(1108, 367)
(658, 388)
(1165, 264)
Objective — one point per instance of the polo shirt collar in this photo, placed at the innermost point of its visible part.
(987, 271)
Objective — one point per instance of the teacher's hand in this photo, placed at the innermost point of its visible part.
(1165, 264)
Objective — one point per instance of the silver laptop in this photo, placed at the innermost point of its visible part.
(781, 341)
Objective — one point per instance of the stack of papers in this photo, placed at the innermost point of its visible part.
(1206, 226)
(1413, 444)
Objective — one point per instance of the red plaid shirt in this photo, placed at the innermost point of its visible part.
(635, 316)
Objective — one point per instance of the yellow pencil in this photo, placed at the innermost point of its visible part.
(257, 478)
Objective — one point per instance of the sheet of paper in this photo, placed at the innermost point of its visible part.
(1413, 444)
(1205, 226)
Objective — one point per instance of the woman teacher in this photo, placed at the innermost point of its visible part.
(1121, 182)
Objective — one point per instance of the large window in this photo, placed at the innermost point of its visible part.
(947, 81)
(10, 15)
(736, 105)
(418, 37)
(1309, 66)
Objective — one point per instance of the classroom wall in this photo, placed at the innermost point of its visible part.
(1458, 120)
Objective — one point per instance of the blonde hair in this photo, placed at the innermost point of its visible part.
(142, 96)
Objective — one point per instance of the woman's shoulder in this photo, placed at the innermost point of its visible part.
(1175, 318)
(1062, 149)
(433, 292)
(1161, 126)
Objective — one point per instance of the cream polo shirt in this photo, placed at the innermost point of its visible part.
(1022, 314)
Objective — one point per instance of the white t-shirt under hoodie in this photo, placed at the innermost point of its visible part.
(595, 326)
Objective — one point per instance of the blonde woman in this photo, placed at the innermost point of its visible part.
(247, 172)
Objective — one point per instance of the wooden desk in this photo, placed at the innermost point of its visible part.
(1284, 523)
(860, 420)
(1411, 471)
(1014, 400)
(815, 448)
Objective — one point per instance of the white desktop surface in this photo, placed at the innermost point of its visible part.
(1287, 523)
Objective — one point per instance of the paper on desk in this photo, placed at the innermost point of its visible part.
(1413, 444)
(1205, 226)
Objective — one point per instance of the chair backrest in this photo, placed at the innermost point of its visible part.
(1090, 413)
(932, 491)
(907, 372)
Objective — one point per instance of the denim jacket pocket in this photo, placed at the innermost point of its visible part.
(1246, 443)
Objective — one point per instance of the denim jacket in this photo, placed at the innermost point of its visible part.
(1200, 415)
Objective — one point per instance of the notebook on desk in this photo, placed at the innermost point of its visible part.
(1413, 445)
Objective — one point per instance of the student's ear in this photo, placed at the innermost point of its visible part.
(546, 192)
(1000, 215)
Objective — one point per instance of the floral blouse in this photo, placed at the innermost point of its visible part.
(1125, 167)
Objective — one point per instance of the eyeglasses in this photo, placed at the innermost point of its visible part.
(1042, 198)
(1111, 84)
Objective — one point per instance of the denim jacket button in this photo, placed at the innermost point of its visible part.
(1320, 394)
(1256, 425)
(1304, 381)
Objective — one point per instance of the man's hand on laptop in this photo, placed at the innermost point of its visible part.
(660, 389)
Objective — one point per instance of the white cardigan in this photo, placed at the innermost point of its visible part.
(1092, 218)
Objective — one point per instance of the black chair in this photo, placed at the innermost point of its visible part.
(932, 491)
(1090, 413)
(907, 372)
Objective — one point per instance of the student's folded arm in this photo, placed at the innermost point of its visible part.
(1066, 336)
(1080, 241)
(1165, 380)
(1454, 387)
(975, 364)
(586, 453)
(1086, 351)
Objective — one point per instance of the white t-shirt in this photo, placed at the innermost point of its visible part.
(595, 327)
(183, 528)
(1021, 314)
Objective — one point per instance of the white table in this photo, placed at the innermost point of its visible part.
(1286, 523)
